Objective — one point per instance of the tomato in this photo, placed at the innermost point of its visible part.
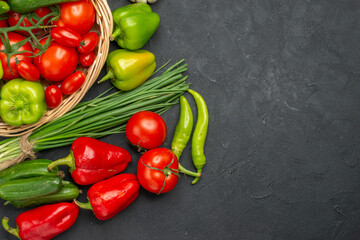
(73, 82)
(57, 62)
(53, 96)
(28, 71)
(65, 36)
(14, 38)
(146, 130)
(78, 16)
(3, 23)
(15, 17)
(86, 59)
(158, 170)
(88, 42)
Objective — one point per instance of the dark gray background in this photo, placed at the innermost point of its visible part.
(281, 79)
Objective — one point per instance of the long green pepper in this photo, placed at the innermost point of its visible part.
(182, 133)
(200, 132)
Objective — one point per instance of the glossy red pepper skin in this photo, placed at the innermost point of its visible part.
(46, 222)
(91, 160)
(109, 197)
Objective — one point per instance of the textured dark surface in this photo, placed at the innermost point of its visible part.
(281, 79)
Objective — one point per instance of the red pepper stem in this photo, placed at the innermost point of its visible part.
(68, 160)
(188, 172)
(197, 178)
(86, 205)
(13, 231)
(109, 75)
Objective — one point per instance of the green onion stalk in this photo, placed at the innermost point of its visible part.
(104, 115)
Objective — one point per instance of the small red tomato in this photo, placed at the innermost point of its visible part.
(86, 59)
(26, 56)
(88, 42)
(53, 96)
(28, 71)
(65, 36)
(158, 170)
(3, 23)
(72, 83)
(78, 16)
(146, 130)
(57, 62)
(15, 17)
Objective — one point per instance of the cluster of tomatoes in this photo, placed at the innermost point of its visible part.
(71, 43)
(158, 168)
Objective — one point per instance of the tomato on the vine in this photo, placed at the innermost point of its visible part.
(53, 96)
(15, 17)
(146, 130)
(86, 59)
(13, 73)
(28, 71)
(158, 170)
(3, 23)
(57, 62)
(88, 42)
(78, 16)
(73, 82)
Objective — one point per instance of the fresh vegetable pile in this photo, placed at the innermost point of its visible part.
(140, 96)
(43, 43)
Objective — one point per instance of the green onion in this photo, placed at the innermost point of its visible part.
(104, 115)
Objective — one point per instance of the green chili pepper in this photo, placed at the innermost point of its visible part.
(199, 136)
(22, 102)
(182, 133)
(4, 7)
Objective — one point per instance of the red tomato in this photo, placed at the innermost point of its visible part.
(53, 96)
(78, 16)
(158, 170)
(72, 83)
(65, 36)
(86, 59)
(14, 38)
(15, 17)
(28, 71)
(57, 62)
(88, 42)
(146, 130)
(3, 23)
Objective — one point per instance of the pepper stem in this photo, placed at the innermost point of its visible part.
(13, 231)
(197, 178)
(86, 205)
(188, 172)
(115, 34)
(108, 76)
(68, 160)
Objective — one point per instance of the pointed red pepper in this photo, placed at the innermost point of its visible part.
(45, 222)
(109, 197)
(91, 160)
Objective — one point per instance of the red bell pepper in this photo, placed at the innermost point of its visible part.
(109, 197)
(45, 222)
(91, 160)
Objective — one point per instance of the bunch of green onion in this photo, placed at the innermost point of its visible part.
(104, 115)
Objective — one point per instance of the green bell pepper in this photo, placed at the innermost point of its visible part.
(22, 102)
(4, 7)
(129, 69)
(134, 24)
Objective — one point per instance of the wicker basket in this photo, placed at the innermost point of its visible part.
(103, 26)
